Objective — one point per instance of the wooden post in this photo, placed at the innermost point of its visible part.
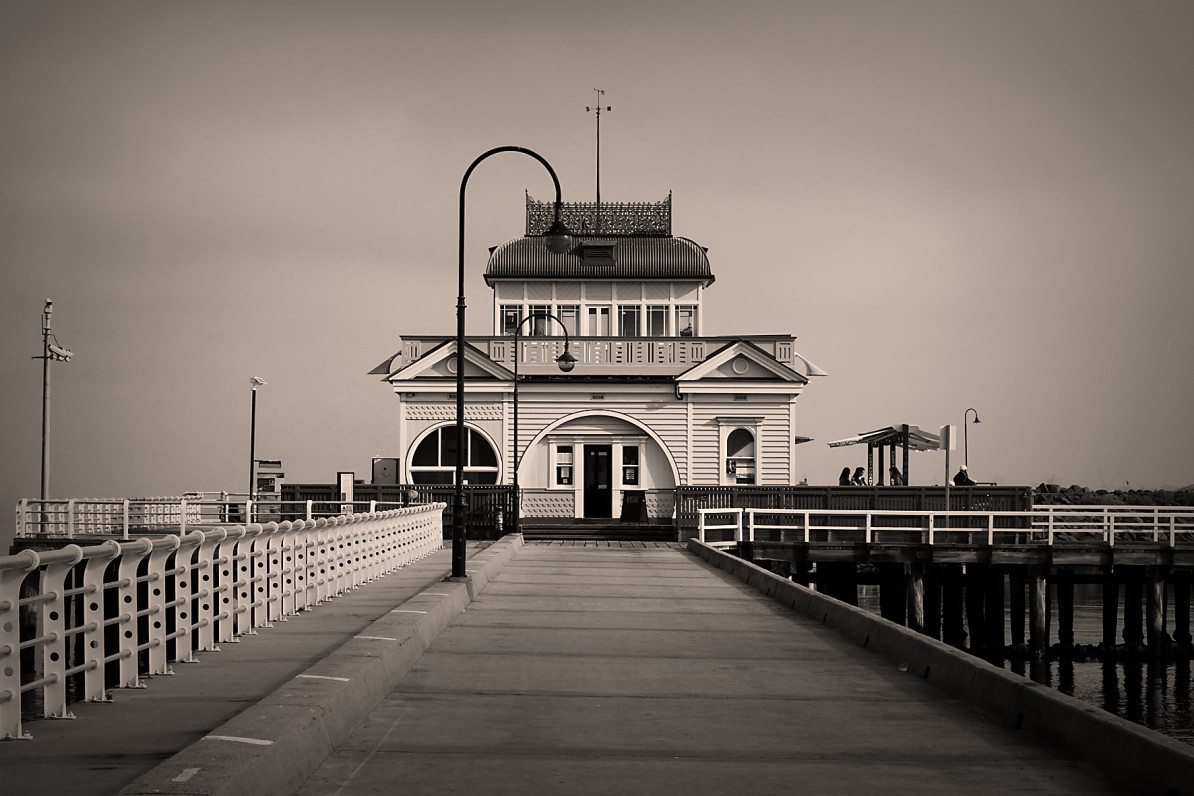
(952, 601)
(1156, 610)
(1016, 606)
(975, 606)
(1181, 609)
(839, 580)
(932, 602)
(1038, 638)
(993, 610)
(1065, 610)
(1110, 612)
(893, 595)
(1133, 612)
(915, 581)
(801, 571)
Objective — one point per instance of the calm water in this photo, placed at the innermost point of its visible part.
(1159, 695)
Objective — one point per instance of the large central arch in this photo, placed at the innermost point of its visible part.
(551, 427)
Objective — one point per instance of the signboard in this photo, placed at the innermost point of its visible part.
(634, 506)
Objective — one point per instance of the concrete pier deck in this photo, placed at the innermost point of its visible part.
(598, 670)
(564, 668)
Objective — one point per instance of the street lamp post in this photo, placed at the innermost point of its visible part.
(50, 352)
(966, 435)
(566, 362)
(558, 240)
(254, 383)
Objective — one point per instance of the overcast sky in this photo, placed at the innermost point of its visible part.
(951, 205)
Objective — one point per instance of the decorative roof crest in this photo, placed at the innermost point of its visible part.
(606, 218)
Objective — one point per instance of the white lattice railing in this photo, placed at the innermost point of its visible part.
(106, 614)
(127, 517)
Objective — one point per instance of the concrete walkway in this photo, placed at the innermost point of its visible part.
(602, 670)
(110, 745)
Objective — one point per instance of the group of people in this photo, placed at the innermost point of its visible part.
(858, 479)
(897, 478)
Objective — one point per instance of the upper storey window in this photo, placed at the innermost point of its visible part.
(657, 320)
(686, 320)
(628, 315)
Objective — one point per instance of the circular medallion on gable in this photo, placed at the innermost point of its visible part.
(740, 365)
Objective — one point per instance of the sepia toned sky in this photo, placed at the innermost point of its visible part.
(951, 204)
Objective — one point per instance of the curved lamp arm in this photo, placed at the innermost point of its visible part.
(558, 240)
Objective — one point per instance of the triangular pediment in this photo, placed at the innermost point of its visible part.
(741, 361)
(440, 363)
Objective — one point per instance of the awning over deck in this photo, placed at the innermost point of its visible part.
(915, 438)
(905, 436)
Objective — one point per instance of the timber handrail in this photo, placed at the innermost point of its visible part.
(1049, 525)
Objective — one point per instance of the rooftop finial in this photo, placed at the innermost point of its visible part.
(598, 108)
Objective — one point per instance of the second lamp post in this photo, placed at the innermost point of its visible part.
(566, 362)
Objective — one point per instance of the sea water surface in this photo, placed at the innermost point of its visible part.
(1156, 694)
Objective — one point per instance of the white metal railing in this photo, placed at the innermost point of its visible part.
(1041, 525)
(117, 517)
(104, 615)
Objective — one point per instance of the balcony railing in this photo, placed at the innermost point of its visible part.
(660, 356)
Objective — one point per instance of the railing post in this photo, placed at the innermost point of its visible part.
(990, 530)
(372, 506)
(806, 529)
(70, 519)
(932, 527)
(310, 509)
(182, 516)
(125, 510)
(22, 515)
(868, 527)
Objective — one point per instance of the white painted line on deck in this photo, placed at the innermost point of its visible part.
(186, 775)
(405, 611)
(324, 677)
(235, 739)
(435, 594)
(376, 638)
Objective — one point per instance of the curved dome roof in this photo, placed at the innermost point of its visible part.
(601, 257)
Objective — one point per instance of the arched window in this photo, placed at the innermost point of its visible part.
(434, 460)
(740, 456)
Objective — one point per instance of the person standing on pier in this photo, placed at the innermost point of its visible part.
(859, 477)
(844, 478)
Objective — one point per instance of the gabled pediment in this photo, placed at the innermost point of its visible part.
(741, 361)
(440, 363)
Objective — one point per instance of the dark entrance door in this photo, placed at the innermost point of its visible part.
(598, 477)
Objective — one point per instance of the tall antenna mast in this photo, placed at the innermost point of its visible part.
(598, 108)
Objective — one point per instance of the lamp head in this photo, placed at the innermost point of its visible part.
(558, 238)
(566, 361)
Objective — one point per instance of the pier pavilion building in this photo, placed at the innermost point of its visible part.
(654, 400)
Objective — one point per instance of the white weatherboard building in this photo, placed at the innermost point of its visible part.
(653, 401)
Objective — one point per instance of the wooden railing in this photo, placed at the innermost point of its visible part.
(691, 499)
(1046, 525)
(489, 506)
